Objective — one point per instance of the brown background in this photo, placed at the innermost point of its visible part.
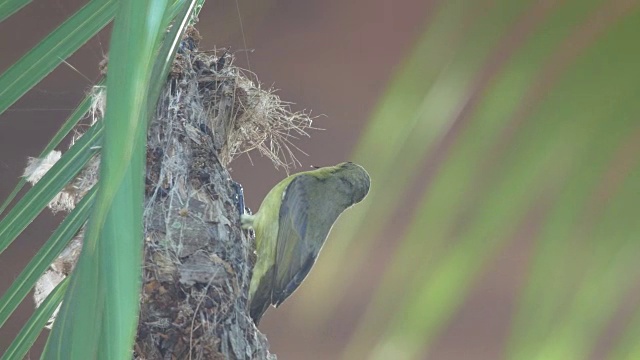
(332, 57)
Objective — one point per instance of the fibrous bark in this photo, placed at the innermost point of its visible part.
(197, 259)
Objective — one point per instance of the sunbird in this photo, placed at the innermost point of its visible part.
(293, 223)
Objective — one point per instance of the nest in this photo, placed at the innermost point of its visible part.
(197, 259)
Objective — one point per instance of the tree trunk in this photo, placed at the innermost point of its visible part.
(198, 260)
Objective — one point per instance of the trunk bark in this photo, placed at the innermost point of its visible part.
(198, 260)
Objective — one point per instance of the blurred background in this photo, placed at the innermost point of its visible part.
(503, 141)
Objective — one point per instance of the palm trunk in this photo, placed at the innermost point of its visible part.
(198, 261)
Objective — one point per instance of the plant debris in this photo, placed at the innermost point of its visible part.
(198, 261)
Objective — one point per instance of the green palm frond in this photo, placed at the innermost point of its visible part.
(140, 55)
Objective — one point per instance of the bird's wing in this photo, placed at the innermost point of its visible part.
(261, 300)
(309, 208)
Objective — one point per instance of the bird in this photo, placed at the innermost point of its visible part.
(291, 227)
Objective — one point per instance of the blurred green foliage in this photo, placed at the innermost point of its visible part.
(517, 120)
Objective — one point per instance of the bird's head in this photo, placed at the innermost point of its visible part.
(357, 177)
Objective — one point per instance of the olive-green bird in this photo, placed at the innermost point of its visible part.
(293, 223)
